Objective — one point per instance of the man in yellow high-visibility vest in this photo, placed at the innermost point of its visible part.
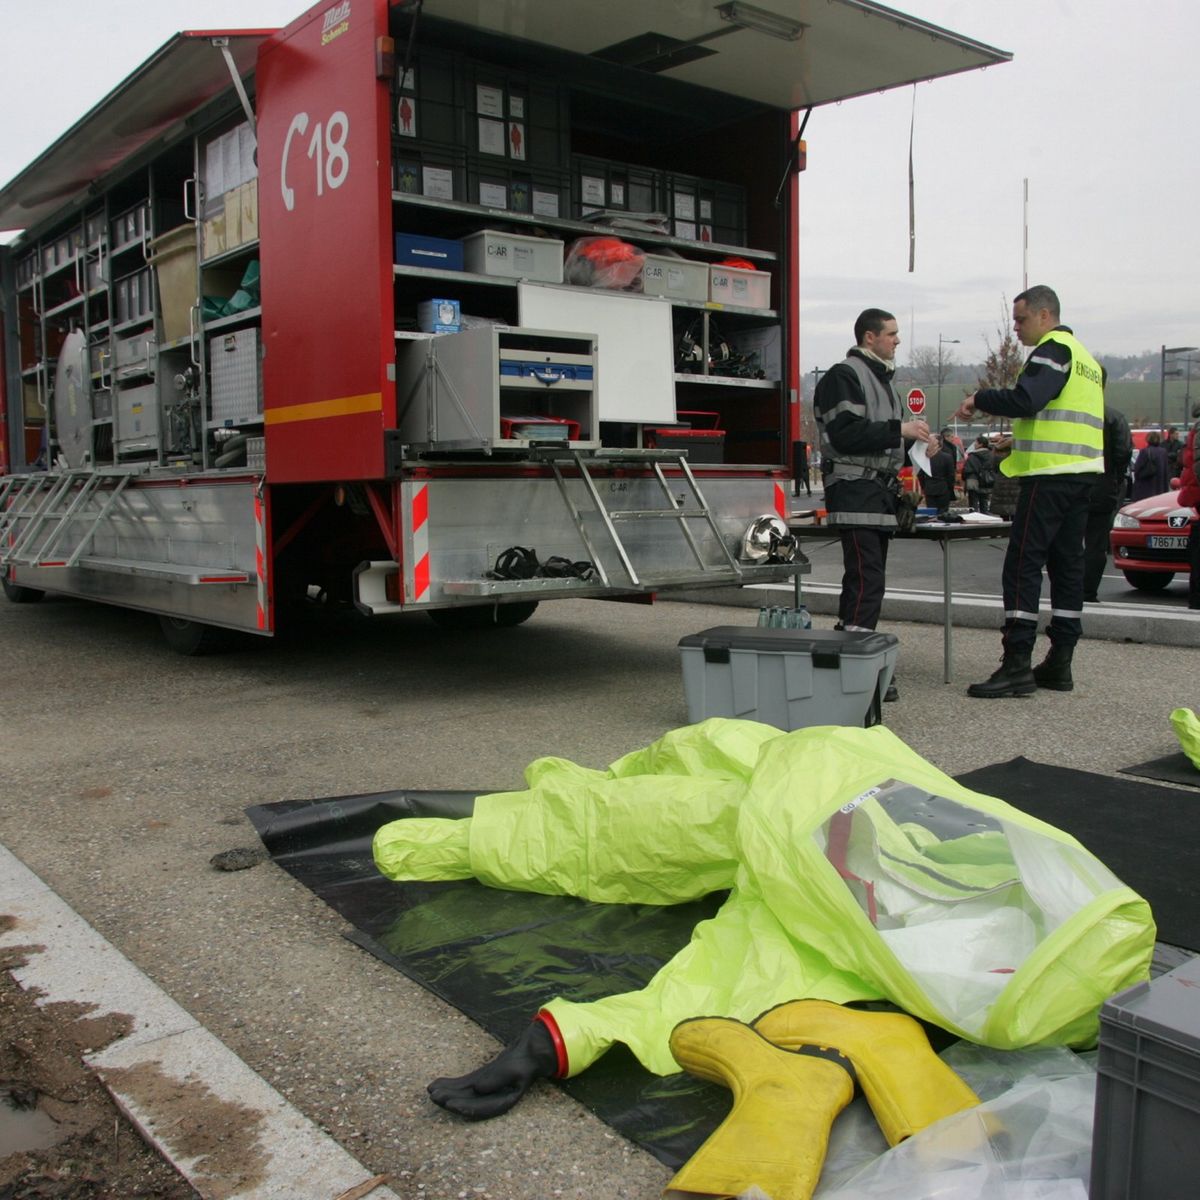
(1057, 411)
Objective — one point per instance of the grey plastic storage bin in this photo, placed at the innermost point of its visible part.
(1146, 1134)
(791, 678)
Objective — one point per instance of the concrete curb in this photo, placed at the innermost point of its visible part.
(1108, 621)
(69, 961)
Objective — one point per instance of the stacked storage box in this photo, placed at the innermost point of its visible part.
(791, 678)
(1146, 1133)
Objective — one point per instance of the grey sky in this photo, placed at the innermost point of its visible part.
(1094, 110)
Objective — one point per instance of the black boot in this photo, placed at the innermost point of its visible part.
(1054, 671)
(1013, 678)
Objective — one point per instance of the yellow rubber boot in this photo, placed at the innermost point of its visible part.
(907, 1086)
(777, 1132)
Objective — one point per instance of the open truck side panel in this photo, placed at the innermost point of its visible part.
(221, 388)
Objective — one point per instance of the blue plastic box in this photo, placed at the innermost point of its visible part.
(442, 254)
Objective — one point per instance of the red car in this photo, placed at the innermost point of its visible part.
(1150, 541)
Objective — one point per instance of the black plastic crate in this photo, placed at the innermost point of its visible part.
(600, 183)
(515, 117)
(425, 169)
(518, 188)
(706, 210)
(428, 106)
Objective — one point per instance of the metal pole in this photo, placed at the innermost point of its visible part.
(1162, 389)
(939, 386)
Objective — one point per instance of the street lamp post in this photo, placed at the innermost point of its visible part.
(942, 341)
(1162, 379)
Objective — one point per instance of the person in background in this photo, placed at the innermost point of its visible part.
(1057, 407)
(1007, 488)
(938, 485)
(863, 433)
(1150, 474)
(951, 444)
(1189, 494)
(979, 475)
(1108, 491)
(1173, 446)
(800, 471)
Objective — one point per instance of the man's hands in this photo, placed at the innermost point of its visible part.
(966, 410)
(914, 431)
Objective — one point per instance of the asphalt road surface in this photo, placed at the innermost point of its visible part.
(127, 767)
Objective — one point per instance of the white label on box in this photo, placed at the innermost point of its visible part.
(685, 206)
(523, 258)
(491, 136)
(493, 195)
(516, 140)
(409, 82)
(437, 182)
(406, 117)
(706, 210)
(685, 229)
(739, 288)
(675, 278)
(591, 190)
(489, 100)
(516, 107)
(618, 195)
(545, 204)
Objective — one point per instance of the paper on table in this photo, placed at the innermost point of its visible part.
(918, 455)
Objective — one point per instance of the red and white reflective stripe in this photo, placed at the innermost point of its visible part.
(260, 560)
(420, 541)
(781, 506)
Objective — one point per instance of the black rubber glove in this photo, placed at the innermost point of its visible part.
(496, 1087)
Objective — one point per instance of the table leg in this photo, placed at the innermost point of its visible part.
(947, 602)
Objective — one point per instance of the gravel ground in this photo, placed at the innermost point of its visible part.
(128, 767)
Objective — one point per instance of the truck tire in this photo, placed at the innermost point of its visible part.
(1148, 581)
(193, 637)
(484, 616)
(19, 594)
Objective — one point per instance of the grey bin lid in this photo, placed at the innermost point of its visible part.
(1166, 1008)
(826, 646)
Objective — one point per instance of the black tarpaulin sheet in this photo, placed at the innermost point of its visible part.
(1171, 768)
(1144, 834)
(497, 956)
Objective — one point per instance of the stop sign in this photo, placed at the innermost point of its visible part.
(916, 402)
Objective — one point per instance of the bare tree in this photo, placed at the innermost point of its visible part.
(1004, 361)
(928, 369)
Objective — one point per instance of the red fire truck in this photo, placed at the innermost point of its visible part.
(424, 305)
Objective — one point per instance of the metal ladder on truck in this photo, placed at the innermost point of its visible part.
(37, 510)
(656, 460)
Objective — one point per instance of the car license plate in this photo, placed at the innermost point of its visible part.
(1167, 543)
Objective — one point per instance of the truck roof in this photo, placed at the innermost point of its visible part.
(177, 79)
(785, 54)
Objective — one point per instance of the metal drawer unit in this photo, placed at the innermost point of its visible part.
(235, 377)
(137, 422)
(498, 387)
(134, 355)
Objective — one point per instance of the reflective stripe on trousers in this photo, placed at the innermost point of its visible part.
(1047, 532)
